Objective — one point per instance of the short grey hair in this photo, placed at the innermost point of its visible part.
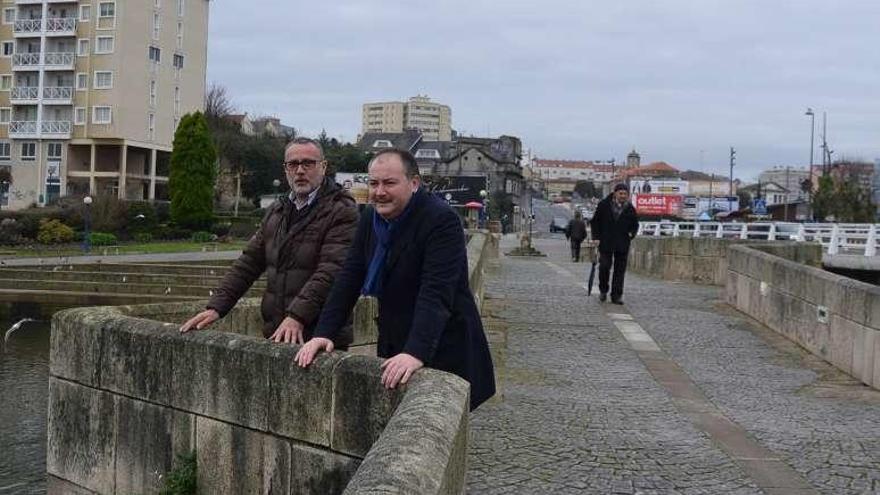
(304, 141)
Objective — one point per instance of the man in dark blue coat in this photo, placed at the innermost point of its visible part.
(614, 225)
(409, 252)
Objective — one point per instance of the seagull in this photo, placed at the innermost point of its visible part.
(15, 327)
(2, 262)
(211, 292)
(167, 290)
(56, 268)
(124, 279)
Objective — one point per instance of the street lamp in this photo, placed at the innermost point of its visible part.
(483, 212)
(812, 116)
(87, 220)
(276, 184)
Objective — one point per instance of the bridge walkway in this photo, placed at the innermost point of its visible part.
(673, 392)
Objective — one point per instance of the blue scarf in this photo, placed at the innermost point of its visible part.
(385, 232)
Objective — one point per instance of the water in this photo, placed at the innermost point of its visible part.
(24, 390)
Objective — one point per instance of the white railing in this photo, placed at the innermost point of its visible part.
(59, 58)
(28, 26)
(26, 59)
(22, 127)
(60, 24)
(836, 238)
(57, 93)
(55, 127)
(25, 93)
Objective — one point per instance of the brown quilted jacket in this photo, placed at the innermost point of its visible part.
(300, 260)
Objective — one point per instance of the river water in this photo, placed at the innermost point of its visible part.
(24, 390)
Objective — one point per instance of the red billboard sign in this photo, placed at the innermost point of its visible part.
(658, 204)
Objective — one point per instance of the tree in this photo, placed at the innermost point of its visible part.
(587, 189)
(217, 103)
(193, 173)
(844, 199)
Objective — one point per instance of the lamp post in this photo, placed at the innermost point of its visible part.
(812, 116)
(276, 184)
(483, 212)
(87, 220)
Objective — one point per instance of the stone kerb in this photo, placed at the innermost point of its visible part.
(832, 316)
(127, 394)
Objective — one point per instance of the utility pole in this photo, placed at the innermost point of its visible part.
(812, 116)
(826, 156)
(787, 190)
(730, 187)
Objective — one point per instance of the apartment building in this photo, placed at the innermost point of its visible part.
(432, 119)
(91, 92)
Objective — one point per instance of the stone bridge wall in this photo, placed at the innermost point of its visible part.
(128, 393)
(834, 317)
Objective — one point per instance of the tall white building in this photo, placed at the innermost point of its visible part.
(433, 119)
(91, 92)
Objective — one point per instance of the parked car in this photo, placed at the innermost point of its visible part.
(558, 224)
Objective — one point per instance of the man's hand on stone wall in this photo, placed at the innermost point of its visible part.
(289, 331)
(307, 352)
(200, 320)
(399, 369)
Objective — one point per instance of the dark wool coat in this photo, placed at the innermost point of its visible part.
(613, 235)
(577, 230)
(426, 308)
(300, 253)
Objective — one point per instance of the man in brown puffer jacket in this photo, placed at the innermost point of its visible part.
(302, 243)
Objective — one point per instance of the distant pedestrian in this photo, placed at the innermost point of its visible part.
(614, 225)
(576, 232)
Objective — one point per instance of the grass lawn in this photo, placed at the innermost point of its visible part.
(123, 248)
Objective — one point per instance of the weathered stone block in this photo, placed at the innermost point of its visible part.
(148, 438)
(872, 308)
(230, 458)
(731, 286)
(81, 434)
(842, 336)
(301, 400)
(137, 358)
(361, 405)
(773, 308)
(705, 270)
(710, 247)
(876, 379)
(75, 345)
(223, 376)
(679, 268)
(849, 298)
(320, 471)
(678, 246)
(277, 466)
(863, 355)
(364, 321)
(58, 486)
(737, 259)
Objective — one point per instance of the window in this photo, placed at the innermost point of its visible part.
(8, 16)
(155, 54)
(79, 116)
(155, 25)
(151, 123)
(101, 115)
(152, 93)
(82, 81)
(104, 44)
(177, 100)
(85, 13)
(5, 151)
(382, 143)
(8, 48)
(157, 4)
(107, 9)
(181, 7)
(5, 115)
(82, 47)
(28, 151)
(53, 151)
(103, 79)
(178, 61)
(5, 82)
(427, 154)
(179, 35)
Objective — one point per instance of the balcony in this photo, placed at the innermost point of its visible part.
(27, 27)
(24, 95)
(23, 129)
(59, 60)
(25, 61)
(58, 95)
(61, 26)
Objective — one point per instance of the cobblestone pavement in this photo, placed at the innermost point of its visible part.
(582, 414)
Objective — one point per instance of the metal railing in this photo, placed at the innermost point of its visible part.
(25, 93)
(57, 93)
(835, 238)
(60, 24)
(22, 127)
(28, 26)
(26, 59)
(59, 58)
(55, 127)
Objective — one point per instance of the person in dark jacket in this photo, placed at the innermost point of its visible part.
(576, 232)
(301, 245)
(409, 252)
(614, 225)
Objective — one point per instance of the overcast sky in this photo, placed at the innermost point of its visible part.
(583, 79)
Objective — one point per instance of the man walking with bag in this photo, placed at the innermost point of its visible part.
(614, 225)
(576, 233)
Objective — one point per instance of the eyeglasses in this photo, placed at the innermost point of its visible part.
(306, 164)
